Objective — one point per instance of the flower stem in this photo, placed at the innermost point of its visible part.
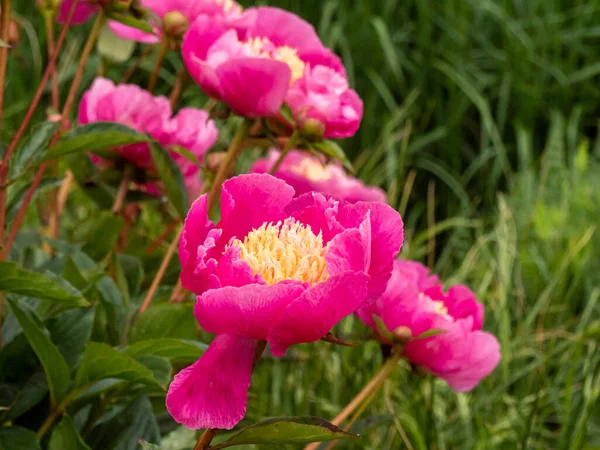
(85, 54)
(49, 21)
(162, 52)
(205, 438)
(177, 88)
(161, 272)
(291, 143)
(235, 148)
(89, 46)
(122, 191)
(6, 15)
(366, 393)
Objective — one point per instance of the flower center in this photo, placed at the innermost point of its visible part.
(264, 48)
(228, 5)
(311, 169)
(285, 251)
(435, 306)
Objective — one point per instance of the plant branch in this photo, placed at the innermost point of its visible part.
(162, 52)
(161, 272)
(291, 143)
(6, 15)
(122, 190)
(205, 438)
(49, 21)
(235, 148)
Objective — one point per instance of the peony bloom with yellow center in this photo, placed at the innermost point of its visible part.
(252, 68)
(276, 268)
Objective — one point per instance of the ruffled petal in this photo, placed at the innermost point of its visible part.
(197, 238)
(213, 392)
(247, 310)
(248, 201)
(319, 212)
(312, 315)
(132, 34)
(284, 28)
(254, 87)
(387, 236)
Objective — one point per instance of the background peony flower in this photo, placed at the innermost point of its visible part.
(228, 12)
(83, 11)
(323, 94)
(274, 268)
(463, 354)
(130, 105)
(306, 173)
(251, 70)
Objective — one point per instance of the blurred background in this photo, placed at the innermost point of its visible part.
(481, 122)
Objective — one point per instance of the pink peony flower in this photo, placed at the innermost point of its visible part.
(130, 105)
(323, 94)
(83, 11)
(252, 70)
(228, 12)
(274, 268)
(306, 173)
(463, 354)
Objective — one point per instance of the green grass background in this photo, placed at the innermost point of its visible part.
(481, 121)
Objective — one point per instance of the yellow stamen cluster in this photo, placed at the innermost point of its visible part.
(228, 5)
(311, 169)
(438, 306)
(259, 46)
(285, 251)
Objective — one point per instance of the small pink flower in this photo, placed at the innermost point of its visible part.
(83, 11)
(306, 173)
(228, 12)
(130, 105)
(323, 94)
(274, 268)
(462, 354)
(251, 70)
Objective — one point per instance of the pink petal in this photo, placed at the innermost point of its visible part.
(247, 310)
(347, 121)
(319, 212)
(312, 315)
(254, 87)
(350, 250)
(133, 34)
(197, 238)
(461, 303)
(387, 236)
(248, 201)
(213, 392)
(284, 28)
(233, 271)
(322, 56)
(83, 11)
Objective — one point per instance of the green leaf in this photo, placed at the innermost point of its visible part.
(66, 437)
(55, 367)
(287, 430)
(160, 367)
(15, 438)
(165, 320)
(114, 47)
(131, 21)
(125, 430)
(71, 332)
(171, 177)
(186, 154)
(429, 333)
(175, 350)
(333, 150)
(148, 446)
(95, 136)
(31, 149)
(103, 235)
(101, 361)
(18, 190)
(16, 280)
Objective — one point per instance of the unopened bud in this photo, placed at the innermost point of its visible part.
(403, 334)
(214, 160)
(311, 128)
(175, 24)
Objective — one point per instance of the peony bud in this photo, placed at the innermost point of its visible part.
(175, 24)
(403, 334)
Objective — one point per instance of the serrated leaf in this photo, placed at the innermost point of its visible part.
(333, 150)
(176, 350)
(287, 430)
(55, 367)
(15, 438)
(171, 177)
(101, 361)
(15, 280)
(31, 149)
(95, 136)
(66, 437)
